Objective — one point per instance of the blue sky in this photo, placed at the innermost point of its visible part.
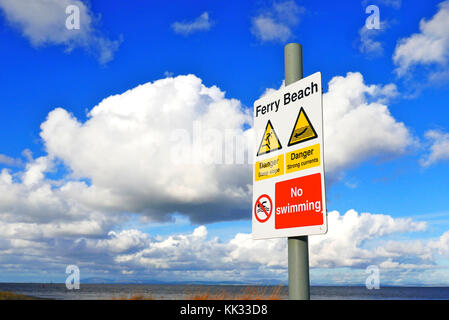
(77, 171)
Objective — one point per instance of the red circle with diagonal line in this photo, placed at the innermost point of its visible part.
(261, 208)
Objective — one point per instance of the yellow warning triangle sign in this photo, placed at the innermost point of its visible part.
(303, 129)
(270, 141)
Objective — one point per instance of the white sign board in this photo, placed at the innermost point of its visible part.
(288, 183)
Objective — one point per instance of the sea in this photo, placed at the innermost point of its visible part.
(176, 292)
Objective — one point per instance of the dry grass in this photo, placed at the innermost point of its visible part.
(14, 296)
(136, 296)
(250, 293)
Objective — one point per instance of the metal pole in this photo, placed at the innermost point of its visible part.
(298, 247)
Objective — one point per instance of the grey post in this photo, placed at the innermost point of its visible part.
(298, 247)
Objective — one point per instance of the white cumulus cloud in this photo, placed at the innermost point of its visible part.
(430, 46)
(9, 161)
(275, 24)
(439, 149)
(367, 40)
(358, 123)
(43, 22)
(202, 23)
(158, 148)
(353, 241)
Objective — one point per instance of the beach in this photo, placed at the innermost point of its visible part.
(210, 292)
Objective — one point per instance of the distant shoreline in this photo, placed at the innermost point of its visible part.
(223, 284)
